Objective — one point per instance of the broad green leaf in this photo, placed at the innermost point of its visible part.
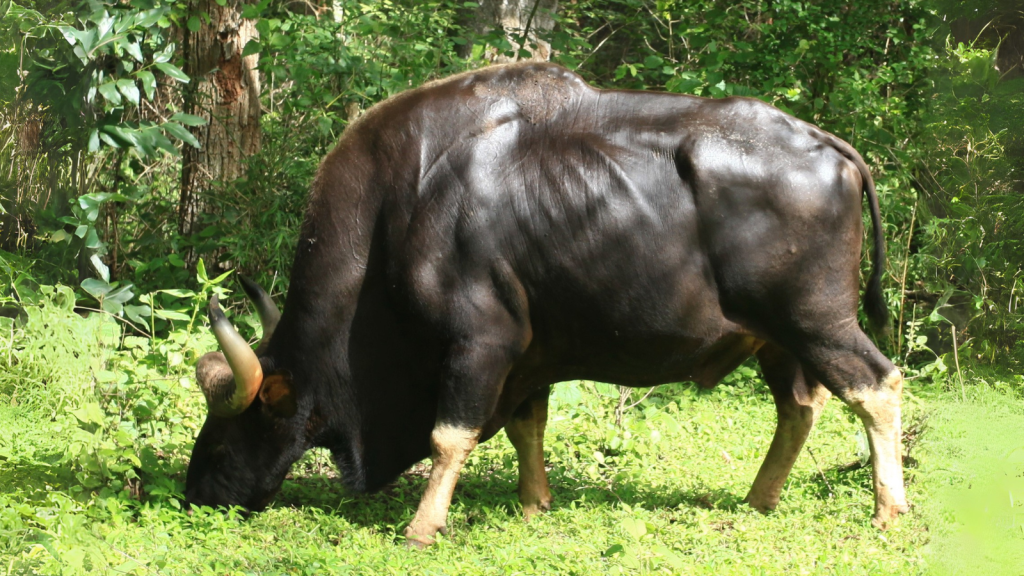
(171, 315)
(172, 71)
(112, 307)
(94, 140)
(98, 264)
(89, 201)
(221, 278)
(188, 119)
(92, 241)
(122, 294)
(148, 18)
(104, 27)
(164, 55)
(91, 413)
(146, 141)
(175, 260)
(251, 47)
(135, 51)
(138, 313)
(148, 82)
(670, 557)
(124, 21)
(193, 23)
(634, 527)
(59, 236)
(125, 135)
(82, 56)
(110, 93)
(178, 292)
(86, 38)
(96, 288)
(201, 272)
(129, 89)
(613, 550)
(110, 141)
(162, 142)
(68, 33)
(179, 132)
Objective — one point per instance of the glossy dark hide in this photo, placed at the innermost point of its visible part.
(478, 238)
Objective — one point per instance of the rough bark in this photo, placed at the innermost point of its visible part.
(519, 18)
(225, 90)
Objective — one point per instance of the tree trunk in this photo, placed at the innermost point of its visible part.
(225, 90)
(529, 19)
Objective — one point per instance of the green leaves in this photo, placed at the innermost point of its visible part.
(109, 91)
(179, 132)
(148, 82)
(129, 90)
(188, 119)
(99, 72)
(133, 49)
(112, 298)
(251, 47)
(90, 413)
(172, 71)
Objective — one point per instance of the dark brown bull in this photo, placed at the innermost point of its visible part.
(474, 241)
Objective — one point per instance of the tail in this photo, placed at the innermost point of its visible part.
(874, 301)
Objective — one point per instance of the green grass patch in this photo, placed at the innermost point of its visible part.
(92, 461)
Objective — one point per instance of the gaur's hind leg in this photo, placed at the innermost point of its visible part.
(878, 406)
(856, 372)
(799, 399)
(526, 432)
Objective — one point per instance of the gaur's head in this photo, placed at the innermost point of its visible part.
(251, 434)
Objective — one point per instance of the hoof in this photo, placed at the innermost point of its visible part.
(418, 543)
(886, 517)
(531, 510)
(418, 539)
(762, 505)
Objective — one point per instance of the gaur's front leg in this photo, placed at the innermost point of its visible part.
(450, 446)
(799, 399)
(486, 339)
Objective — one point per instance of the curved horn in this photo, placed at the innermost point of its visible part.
(230, 381)
(265, 307)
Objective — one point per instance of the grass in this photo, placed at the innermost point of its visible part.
(92, 459)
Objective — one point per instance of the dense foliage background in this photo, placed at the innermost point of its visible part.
(93, 127)
(104, 281)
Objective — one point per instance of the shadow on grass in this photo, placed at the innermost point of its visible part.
(396, 504)
(36, 475)
(838, 480)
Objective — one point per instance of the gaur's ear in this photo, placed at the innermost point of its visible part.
(277, 395)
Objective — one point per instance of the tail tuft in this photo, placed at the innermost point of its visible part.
(875, 307)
